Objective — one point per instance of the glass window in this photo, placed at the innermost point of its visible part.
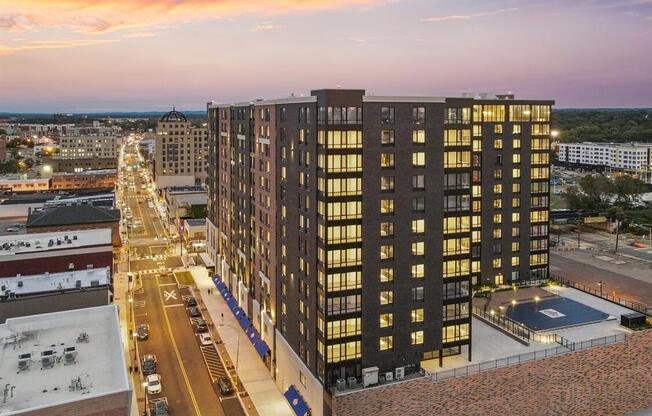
(386, 342)
(387, 274)
(387, 137)
(416, 337)
(418, 136)
(418, 226)
(386, 320)
(386, 297)
(387, 115)
(417, 315)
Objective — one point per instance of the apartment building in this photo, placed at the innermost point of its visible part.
(626, 156)
(88, 147)
(351, 227)
(180, 152)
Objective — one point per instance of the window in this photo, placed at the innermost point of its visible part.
(458, 116)
(498, 129)
(497, 263)
(342, 352)
(516, 143)
(457, 159)
(344, 186)
(386, 297)
(418, 271)
(386, 183)
(417, 293)
(345, 163)
(343, 328)
(516, 158)
(418, 248)
(516, 216)
(386, 229)
(455, 181)
(338, 234)
(387, 137)
(455, 333)
(387, 116)
(418, 226)
(540, 113)
(418, 182)
(419, 115)
(416, 338)
(418, 204)
(417, 315)
(418, 136)
(350, 139)
(344, 210)
(418, 159)
(453, 203)
(386, 251)
(457, 225)
(519, 113)
(386, 320)
(454, 290)
(386, 206)
(386, 274)
(454, 268)
(455, 311)
(457, 137)
(344, 257)
(386, 342)
(455, 246)
(386, 160)
(344, 281)
(493, 113)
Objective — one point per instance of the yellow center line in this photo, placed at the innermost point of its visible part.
(176, 351)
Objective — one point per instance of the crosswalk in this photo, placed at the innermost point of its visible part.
(213, 362)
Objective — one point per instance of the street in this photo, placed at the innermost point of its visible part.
(188, 371)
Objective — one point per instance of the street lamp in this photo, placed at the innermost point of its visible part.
(600, 285)
(237, 354)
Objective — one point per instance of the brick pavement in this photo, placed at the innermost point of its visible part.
(611, 380)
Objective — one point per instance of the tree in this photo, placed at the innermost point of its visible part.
(196, 211)
(628, 190)
(599, 193)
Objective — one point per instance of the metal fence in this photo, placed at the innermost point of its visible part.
(502, 321)
(636, 306)
(525, 357)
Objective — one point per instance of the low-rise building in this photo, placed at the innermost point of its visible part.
(65, 363)
(53, 252)
(20, 205)
(626, 156)
(54, 292)
(21, 184)
(88, 179)
(180, 200)
(194, 234)
(79, 165)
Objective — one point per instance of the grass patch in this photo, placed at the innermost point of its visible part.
(184, 278)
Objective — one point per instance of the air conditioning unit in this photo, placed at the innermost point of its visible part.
(24, 361)
(399, 373)
(389, 376)
(78, 284)
(47, 359)
(70, 355)
(341, 384)
(352, 382)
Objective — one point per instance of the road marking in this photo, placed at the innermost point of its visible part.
(139, 304)
(176, 304)
(167, 284)
(169, 295)
(183, 369)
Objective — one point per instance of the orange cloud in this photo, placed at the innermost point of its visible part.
(101, 16)
(53, 44)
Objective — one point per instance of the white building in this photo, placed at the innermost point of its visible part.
(64, 363)
(626, 156)
(88, 147)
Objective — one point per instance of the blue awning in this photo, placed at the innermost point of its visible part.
(297, 403)
(252, 334)
(220, 286)
(262, 348)
(245, 323)
(239, 313)
(217, 277)
(232, 304)
(225, 293)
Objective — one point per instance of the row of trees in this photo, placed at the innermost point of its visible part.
(603, 125)
(600, 193)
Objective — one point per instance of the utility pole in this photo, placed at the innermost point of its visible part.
(617, 234)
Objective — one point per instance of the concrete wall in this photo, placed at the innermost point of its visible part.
(54, 302)
(166, 181)
(39, 263)
(289, 368)
(117, 404)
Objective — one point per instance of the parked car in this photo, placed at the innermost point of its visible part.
(160, 408)
(205, 339)
(12, 229)
(191, 301)
(154, 384)
(142, 332)
(194, 312)
(200, 325)
(225, 386)
(149, 364)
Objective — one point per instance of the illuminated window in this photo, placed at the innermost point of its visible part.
(386, 297)
(455, 333)
(516, 216)
(493, 113)
(418, 226)
(416, 337)
(386, 274)
(497, 263)
(456, 225)
(418, 271)
(455, 246)
(454, 268)
(498, 218)
(418, 136)
(516, 158)
(387, 137)
(387, 160)
(418, 159)
(386, 342)
(386, 229)
(457, 137)
(342, 352)
(386, 320)
(457, 159)
(498, 129)
(417, 315)
(516, 188)
(497, 233)
(386, 183)
(418, 248)
(498, 203)
(516, 173)
(498, 188)
(516, 129)
(386, 206)
(516, 246)
(498, 144)
(387, 251)
(515, 260)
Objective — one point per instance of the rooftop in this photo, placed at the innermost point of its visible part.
(30, 243)
(173, 116)
(88, 172)
(610, 144)
(72, 214)
(62, 357)
(195, 222)
(49, 282)
(184, 189)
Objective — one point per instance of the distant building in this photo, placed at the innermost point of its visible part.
(179, 200)
(53, 292)
(181, 152)
(194, 234)
(88, 179)
(19, 184)
(21, 204)
(73, 218)
(79, 165)
(79, 153)
(65, 363)
(625, 156)
(53, 252)
(3, 148)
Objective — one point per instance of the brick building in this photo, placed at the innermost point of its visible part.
(88, 179)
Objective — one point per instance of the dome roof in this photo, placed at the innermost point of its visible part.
(173, 115)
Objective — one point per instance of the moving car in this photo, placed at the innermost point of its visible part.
(205, 339)
(142, 332)
(194, 312)
(153, 384)
(149, 364)
(225, 386)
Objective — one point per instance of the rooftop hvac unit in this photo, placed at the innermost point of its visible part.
(95, 283)
(70, 355)
(47, 359)
(399, 372)
(89, 266)
(352, 382)
(78, 284)
(20, 283)
(71, 266)
(369, 376)
(24, 361)
(341, 384)
(389, 376)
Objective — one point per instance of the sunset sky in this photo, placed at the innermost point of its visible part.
(124, 55)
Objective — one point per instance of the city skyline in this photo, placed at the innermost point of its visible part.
(149, 55)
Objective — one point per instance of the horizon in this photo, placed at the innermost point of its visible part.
(104, 55)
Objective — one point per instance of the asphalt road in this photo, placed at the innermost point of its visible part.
(186, 382)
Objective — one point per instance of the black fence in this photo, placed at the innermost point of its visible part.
(502, 321)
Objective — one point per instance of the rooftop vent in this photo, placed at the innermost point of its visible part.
(70, 355)
(24, 361)
(47, 359)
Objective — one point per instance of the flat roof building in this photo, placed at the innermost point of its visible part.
(64, 363)
(53, 292)
(57, 251)
(351, 228)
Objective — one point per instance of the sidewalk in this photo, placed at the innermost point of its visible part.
(253, 373)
